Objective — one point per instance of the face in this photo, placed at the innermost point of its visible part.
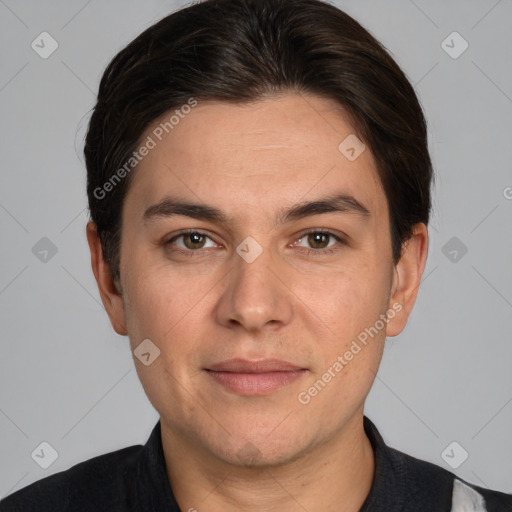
(257, 258)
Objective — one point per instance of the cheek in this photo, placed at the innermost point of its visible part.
(344, 302)
(156, 301)
(161, 307)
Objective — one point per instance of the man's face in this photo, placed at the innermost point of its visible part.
(256, 284)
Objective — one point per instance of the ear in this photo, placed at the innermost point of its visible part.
(110, 296)
(406, 279)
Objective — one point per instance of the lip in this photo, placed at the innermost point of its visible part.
(254, 378)
(260, 366)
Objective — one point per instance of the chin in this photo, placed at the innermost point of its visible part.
(260, 456)
(259, 448)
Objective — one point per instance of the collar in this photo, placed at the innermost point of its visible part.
(153, 491)
(390, 474)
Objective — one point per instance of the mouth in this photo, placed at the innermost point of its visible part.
(254, 378)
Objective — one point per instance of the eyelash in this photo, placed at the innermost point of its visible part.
(309, 252)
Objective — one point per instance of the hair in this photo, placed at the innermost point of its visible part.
(239, 51)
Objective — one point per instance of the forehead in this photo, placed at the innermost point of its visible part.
(256, 156)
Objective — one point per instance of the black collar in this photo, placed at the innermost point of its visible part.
(154, 491)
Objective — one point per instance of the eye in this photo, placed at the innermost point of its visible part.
(319, 242)
(315, 242)
(190, 240)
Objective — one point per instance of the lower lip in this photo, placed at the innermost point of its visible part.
(255, 384)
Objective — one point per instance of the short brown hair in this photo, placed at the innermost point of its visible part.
(242, 50)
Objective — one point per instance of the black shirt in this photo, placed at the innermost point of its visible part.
(134, 479)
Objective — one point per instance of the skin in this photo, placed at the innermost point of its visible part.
(224, 451)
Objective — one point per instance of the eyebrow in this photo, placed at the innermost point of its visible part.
(337, 203)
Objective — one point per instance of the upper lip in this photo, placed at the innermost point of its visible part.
(260, 366)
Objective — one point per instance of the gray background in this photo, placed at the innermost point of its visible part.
(66, 378)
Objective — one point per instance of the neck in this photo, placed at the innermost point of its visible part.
(336, 475)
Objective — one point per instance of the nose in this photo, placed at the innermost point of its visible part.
(256, 296)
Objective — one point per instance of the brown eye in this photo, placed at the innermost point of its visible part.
(193, 240)
(318, 240)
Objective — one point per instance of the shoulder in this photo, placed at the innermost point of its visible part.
(426, 480)
(403, 482)
(95, 484)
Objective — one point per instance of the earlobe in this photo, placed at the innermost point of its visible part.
(407, 278)
(110, 295)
